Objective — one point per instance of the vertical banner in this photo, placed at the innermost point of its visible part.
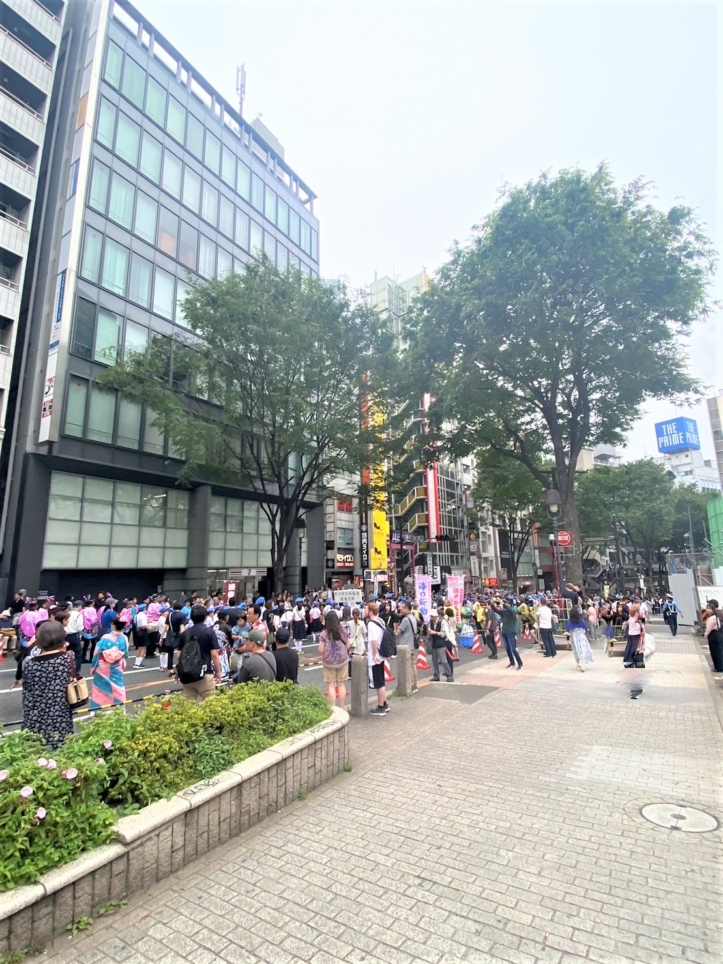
(423, 590)
(432, 478)
(51, 366)
(455, 591)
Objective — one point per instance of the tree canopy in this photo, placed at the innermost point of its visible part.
(265, 390)
(566, 310)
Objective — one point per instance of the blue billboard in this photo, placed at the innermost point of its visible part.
(677, 435)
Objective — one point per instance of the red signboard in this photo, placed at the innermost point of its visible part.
(344, 505)
(564, 538)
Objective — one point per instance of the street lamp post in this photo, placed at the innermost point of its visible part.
(301, 526)
(553, 502)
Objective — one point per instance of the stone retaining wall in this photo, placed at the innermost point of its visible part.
(169, 834)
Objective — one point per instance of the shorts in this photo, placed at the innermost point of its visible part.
(336, 674)
(378, 680)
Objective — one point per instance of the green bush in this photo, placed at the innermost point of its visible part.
(117, 763)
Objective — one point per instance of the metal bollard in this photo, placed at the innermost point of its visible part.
(359, 686)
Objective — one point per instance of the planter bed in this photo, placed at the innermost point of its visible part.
(167, 835)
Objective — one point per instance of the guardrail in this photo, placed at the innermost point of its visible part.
(30, 50)
(45, 10)
(16, 159)
(21, 103)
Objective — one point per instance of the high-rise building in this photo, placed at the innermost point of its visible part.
(30, 34)
(153, 177)
(715, 415)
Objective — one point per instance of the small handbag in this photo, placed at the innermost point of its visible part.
(77, 688)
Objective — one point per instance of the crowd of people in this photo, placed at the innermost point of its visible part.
(204, 642)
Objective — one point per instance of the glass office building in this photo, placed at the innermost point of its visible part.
(156, 182)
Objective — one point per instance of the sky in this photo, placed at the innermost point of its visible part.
(406, 117)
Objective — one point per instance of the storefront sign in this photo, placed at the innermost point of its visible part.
(229, 591)
(345, 560)
(344, 505)
(364, 544)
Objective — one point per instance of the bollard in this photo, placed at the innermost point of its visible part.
(404, 671)
(359, 686)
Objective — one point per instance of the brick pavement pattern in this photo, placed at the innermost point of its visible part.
(505, 830)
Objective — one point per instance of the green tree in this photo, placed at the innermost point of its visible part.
(265, 391)
(511, 498)
(691, 506)
(563, 314)
(639, 499)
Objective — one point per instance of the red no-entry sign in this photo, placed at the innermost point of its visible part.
(564, 538)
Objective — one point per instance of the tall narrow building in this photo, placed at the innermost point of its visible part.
(154, 180)
(30, 34)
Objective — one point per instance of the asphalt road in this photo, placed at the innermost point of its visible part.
(150, 681)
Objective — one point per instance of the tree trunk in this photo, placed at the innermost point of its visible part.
(573, 555)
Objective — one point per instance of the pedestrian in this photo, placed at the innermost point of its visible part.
(140, 635)
(298, 624)
(109, 662)
(671, 611)
(491, 624)
(714, 633)
(46, 677)
(177, 622)
(544, 623)
(287, 660)
(198, 663)
(375, 633)
(334, 648)
(90, 630)
(258, 662)
(74, 630)
(438, 638)
(510, 627)
(357, 634)
(407, 635)
(579, 642)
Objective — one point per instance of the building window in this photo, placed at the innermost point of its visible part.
(345, 537)
(120, 208)
(282, 257)
(107, 337)
(257, 193)
(134, 82)
(151, 155)
(314, 244)
(101, 416)
(98, 196)
(209, 208)
(212, 153)
(207, 257)
(156, 97)
(191, 189)
(106, 123)
(225, 219)
(163, 293)
(282, 216)
(270, 246)
(176, 120)
(129, 423)
(228, 167)
(167, 232)
(92, 247)
(172, 173)
(257, 239)
(128, 140)
(75, 406)
(139, 288)
(305, 237)
(194, 136)
(188, 246)
(113, 65)
(294, 222)
(241, 236)
(136, 339)
(115, 267)
(182, 292)
(146, 217)
(243, 180)
(152, 443)
(225, 263)
(270, 205)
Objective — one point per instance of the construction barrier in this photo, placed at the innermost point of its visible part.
(422, 657)
(476, 647)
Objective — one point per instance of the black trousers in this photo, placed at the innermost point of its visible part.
(73, 641)
(88, 641)
(490, 640)
(673, 623)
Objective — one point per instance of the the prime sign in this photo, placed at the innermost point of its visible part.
(677, 434)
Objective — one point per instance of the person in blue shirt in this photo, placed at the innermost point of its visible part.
(109, 614)
(671, 610)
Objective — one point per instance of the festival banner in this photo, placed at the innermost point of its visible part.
(423, 590)
(455, 592)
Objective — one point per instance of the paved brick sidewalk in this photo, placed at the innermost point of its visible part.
(503, 829)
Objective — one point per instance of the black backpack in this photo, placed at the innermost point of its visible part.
(190, 665)
(387, 646)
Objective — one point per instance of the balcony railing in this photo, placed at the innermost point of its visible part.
(16, 159)
(25, 47)
(13, 220)
(45, 10)
(7, 283)
(20, 103)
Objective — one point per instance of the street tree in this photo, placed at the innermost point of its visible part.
(563, 314)
(265, 390)
(511, 498)
(690, 523)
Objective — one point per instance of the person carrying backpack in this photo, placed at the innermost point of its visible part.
(408, 635)
(198, 662)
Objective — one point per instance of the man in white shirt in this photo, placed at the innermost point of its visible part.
(73, 629)
(375, 631)
(544, 623)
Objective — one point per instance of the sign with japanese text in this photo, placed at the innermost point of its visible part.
(423, 590)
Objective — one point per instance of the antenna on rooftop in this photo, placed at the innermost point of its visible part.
(241, 87)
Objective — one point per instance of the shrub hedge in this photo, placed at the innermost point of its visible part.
(55, 806)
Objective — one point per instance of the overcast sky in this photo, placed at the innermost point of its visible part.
(405, 117)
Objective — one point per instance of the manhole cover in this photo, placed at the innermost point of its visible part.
(673, 817)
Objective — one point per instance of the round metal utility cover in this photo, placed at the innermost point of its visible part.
(674, 817)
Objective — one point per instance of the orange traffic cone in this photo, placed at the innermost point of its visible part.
(498, 639)
(476, 648)
(527, 635)
(422, 657)
(388, 678)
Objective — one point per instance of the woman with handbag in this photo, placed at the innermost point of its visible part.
(334, 649)
(46, 679)
(108, 664)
